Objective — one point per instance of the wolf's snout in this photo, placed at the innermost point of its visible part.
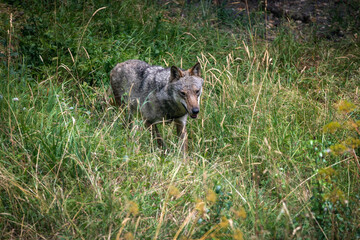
(194, 112)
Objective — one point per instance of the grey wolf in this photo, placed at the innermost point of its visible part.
(158, 94)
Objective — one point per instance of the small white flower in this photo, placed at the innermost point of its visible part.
(57, 95)
(24, 108)
(71, 108)
(321, 154)
(1, 97)
(311, 142)
(15, 99)
(328, 150)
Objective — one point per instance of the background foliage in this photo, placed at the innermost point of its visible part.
(261, 163)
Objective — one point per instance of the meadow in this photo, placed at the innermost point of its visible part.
(274, 153)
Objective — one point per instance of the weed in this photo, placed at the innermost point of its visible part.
(332, 207)
(258, 159)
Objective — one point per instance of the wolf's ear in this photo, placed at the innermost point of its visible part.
(195, 70)
(175, 74)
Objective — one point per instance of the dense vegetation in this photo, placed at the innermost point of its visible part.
(273, 155)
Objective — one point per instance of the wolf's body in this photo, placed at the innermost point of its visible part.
(158, 93)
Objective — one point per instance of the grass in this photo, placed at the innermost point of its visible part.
(69, 169)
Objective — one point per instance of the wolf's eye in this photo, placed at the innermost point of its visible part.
(182, 94)
(197, 92)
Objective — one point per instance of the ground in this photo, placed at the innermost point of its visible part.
(274, 153)
(329, 18)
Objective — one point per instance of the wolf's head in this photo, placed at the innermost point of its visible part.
(188, 88)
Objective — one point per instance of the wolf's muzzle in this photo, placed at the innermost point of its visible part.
(194, 112)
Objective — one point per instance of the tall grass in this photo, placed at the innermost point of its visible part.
(70, 169)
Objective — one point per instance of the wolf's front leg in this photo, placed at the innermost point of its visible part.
(156, 134)
(181, 132)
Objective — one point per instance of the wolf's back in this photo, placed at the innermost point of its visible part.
(137, 79)
(126, 77)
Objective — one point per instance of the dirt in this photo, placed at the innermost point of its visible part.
(331, 19)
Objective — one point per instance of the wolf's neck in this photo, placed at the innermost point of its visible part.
(164, 94)
(171, 107)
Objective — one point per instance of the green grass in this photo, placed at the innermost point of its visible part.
(70, 169)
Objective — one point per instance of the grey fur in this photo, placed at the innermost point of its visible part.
(158, 93)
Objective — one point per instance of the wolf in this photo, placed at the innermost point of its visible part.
(159, 94)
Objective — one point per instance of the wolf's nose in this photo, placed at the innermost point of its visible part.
(195, 110)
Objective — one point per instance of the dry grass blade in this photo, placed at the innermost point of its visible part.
(82, 35)
(185, 222)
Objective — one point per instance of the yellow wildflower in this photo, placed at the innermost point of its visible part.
(211, 196)
(240, 213)
(345, 106)
(238, 235)
(327, 173)
(338, 149)
(224, 222)
(357, 123)
(129, 236)
(331, 127)
(352, 142)
(213, 236)
(200, 206)
(174, 191)
(351, 125)
(335, 195)
(133, 208)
